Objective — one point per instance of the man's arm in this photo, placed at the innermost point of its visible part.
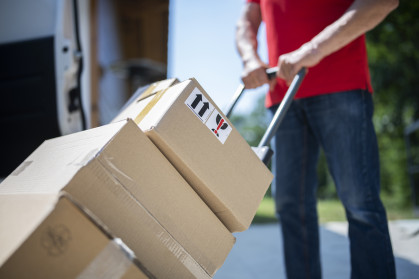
(360, 17)
(253, 74)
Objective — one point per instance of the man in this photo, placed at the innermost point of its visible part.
(332, 110)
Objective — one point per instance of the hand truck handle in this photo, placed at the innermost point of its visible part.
(283, 107)
(262, 150)
(271, 73)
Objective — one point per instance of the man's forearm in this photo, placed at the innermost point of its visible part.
(253, 74)
(361, 16)
(246, 33)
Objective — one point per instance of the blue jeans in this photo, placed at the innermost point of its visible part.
(341, 124)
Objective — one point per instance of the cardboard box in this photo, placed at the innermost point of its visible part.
(116, 172)
(45, 238)
(141, 98)
(208, 151)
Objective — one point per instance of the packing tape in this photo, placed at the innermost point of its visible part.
(156, 87)
(149, 106)
(149, 91)
(112, 262)
(182, 255)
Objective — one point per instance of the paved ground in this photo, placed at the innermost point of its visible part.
(257, 252)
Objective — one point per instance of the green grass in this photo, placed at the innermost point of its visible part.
(266, 212)
(399, 213)
(328, 210)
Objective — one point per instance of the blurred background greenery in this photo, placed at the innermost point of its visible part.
(393, 49)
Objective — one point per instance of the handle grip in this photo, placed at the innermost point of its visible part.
(270, 72)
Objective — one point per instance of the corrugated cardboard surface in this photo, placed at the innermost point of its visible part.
(59, 241)
(141, 98)
(156, 248)
(157, 185)
(222, 169)
(117, 173)
(158, 86)
(132, 110)
(20, 214)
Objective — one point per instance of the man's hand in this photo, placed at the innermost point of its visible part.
(290, 63)
(254, 70)
(254, 75)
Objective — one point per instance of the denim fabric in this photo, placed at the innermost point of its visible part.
(340, 124)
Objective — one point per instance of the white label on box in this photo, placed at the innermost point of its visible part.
(199, 105)
(208, 115)
(219, 126)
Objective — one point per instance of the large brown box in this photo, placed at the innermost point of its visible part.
(116, 172)
(45, 238)
(197, 138)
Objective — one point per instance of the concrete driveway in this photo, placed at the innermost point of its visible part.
(258, 252)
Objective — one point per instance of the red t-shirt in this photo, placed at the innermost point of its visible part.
(290, 23)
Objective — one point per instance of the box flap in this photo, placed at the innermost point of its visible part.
(155, 110)
(133, 109)
(141, 97)
(158, 86)
(55, 162)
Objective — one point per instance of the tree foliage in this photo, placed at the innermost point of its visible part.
(394, 63)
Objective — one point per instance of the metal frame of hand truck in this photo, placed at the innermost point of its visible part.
(263, 151)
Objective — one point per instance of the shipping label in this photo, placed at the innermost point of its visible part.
(207, 113)
(199, 105)
(218, 126)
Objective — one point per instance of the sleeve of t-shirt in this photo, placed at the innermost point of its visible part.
(253, 1)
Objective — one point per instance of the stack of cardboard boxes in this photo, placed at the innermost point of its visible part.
(171, 177)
